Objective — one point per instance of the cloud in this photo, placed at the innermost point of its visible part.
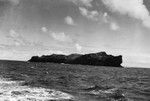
(78, 47)
(114, 26)
(19, 40)
(56, 52)
(133, 8)
(108, 20)
(61, 37)
(14, 2)
(44, 29)
(93, 15)
(13, 34)
(106, 17)
(69, 20)
(86, 3)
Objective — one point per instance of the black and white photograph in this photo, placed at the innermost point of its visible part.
(74, 50)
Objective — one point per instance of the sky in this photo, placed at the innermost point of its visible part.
(43, 27)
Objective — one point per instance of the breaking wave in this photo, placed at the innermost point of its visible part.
(13, 91)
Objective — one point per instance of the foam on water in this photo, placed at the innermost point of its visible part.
(13, 91)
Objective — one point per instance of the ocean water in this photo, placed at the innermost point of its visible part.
(13, 91)
(24, 81)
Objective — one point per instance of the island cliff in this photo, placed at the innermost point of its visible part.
(96, 59)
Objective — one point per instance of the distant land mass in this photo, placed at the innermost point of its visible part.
(96, 59)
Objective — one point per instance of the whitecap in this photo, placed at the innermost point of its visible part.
(13, 91)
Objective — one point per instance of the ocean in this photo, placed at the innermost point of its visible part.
(25, 81)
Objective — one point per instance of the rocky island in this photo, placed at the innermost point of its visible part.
(96, 59)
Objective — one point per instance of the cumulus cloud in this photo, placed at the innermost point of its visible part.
(78, 47)
(108, 20)
(44, 29)
(93, 15)
(69, 20)
(61, 37)
(114, 26)
(133, 8)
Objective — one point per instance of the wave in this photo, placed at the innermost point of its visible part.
(13, 91)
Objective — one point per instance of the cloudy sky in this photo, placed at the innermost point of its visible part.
(37, 27)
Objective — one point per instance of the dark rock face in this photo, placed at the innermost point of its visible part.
(96, 59)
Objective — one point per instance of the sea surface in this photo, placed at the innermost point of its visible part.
(24, 81)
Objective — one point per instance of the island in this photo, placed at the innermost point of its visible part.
(95, 59)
